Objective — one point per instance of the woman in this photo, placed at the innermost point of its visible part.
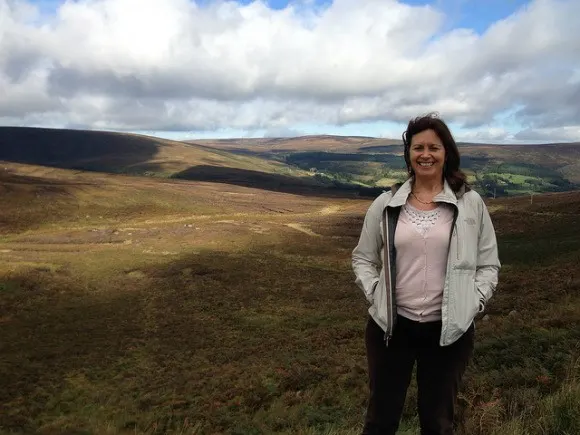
(442, 268)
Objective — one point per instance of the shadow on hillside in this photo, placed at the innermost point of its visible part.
(275, 182)
(74, 149)
(53, 332)
(136, 347)
(394, 148)
(10, 178)
(191, 338)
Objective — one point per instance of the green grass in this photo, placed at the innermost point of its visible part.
(554, 414)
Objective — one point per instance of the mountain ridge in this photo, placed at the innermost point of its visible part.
(339, 142)
(117, 152)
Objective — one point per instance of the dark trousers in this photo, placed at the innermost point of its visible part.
(439, 373)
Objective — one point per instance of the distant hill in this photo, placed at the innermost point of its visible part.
(354, 144)
(133, 154)
(376, 162)
(301, 143)
(117, 152)
(563, 158)
(319, 164)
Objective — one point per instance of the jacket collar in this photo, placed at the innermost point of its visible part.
(402, 192)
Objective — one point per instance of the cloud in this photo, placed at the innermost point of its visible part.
(282, 132)
(565, 134)
(174, 65)
(489, 135)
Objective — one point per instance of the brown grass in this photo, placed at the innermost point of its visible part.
(213, 309)
(121, 153)
(304, 143)
(41, 197)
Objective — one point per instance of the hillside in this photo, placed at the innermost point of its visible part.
(500, 170)
(144, 305)
(45, 197)
(563, 158)
(122, 153)
(132, 154)
(311, 165)
(358, 144)
(295, 144)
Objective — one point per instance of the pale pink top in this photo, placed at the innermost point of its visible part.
(422, 243)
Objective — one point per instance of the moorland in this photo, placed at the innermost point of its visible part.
(135, 301)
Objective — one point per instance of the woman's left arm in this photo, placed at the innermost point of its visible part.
(488, 264)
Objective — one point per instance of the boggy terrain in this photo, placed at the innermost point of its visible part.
(141, 305)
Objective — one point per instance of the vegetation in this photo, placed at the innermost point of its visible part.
(494, 170)
(383, 169)
(313, 165)
(122, 153)
(139, 305)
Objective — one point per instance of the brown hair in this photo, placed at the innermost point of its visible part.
(451, 172)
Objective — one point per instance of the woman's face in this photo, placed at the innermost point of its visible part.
(427, 155)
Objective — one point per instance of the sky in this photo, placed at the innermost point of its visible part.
(501, 71)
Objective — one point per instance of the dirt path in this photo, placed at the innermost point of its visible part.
(303, 229)
(331, 209)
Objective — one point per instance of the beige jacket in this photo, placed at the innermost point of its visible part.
(472, 262)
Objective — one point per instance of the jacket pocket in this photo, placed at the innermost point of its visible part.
(379, 298)
(465, 299)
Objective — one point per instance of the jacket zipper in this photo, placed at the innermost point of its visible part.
(453, 228)
(457, 238)
(387, 255)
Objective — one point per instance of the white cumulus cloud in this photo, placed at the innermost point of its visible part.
(174, 65)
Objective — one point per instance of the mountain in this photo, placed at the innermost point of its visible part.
(354, 144)
(133, 154)
(319, 164)
(295, 144)
(117, 152)
(563, 158)
(495, 170)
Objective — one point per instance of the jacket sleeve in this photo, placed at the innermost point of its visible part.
(488, 264)
(366, 256)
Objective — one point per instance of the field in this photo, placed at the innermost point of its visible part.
(138, 305)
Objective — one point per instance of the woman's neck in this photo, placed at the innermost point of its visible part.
(430, 186)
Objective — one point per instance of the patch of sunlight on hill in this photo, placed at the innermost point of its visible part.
(37, 197)
(172, 158)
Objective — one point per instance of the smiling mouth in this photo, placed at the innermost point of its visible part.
(426, 164)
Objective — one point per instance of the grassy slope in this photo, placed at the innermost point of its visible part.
(511, 169)
(236, 312)
(263, 163)
(51, 198)
(121, 153)
(304, 143)
(550, 154)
